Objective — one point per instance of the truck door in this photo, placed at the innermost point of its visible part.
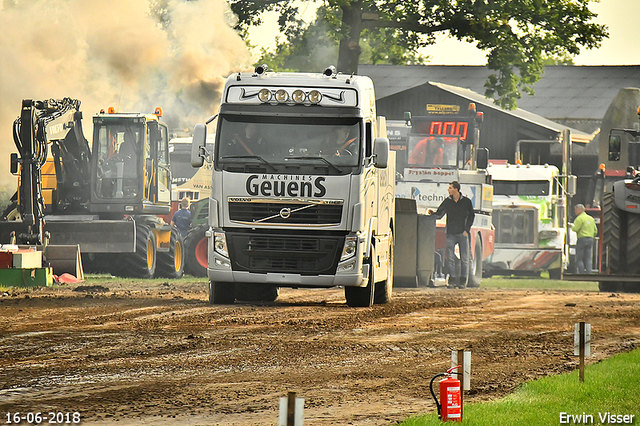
(157, 170)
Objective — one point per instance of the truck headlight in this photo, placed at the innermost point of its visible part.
(220, 244)
(349, 249)
(298, 96)
(315, 97)
(547, 234)
(282, 95)
(264, 95)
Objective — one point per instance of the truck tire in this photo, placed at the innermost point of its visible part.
(475, 266)
(362, 297)
(142, 263)
(222, 293)
(171, 263)
(257, 292)
(196, 251)
(632, 255)
(384, 289)
(611, 234)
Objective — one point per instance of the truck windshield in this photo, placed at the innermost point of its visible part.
(335, 143)
(531, 188)
(117, 150)
(432, 151)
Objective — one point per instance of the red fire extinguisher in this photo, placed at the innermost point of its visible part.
(450, 405)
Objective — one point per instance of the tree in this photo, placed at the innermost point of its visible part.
(518, 36)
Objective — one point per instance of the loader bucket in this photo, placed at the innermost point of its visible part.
(64, 259)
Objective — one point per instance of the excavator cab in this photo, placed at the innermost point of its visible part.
(130, 170)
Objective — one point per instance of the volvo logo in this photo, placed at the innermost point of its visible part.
(285, 212)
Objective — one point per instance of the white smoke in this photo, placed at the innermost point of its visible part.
(116, 53)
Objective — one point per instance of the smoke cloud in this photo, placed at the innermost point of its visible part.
(134, 55)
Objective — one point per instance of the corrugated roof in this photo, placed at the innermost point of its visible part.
(563, 92)
(576, 135)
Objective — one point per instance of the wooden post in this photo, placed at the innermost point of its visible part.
(291, 409)
(461, 378)
(582, 341)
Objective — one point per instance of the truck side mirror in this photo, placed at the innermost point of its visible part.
(482, 158)
(381, 153)
(572, 184)
(198, 144)
(15, 162)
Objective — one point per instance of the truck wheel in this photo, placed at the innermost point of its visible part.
(475, 266)
(257, 292)
(171, 264)
(142, 263)
(196, 251)
(384, 289)
(611, 233)
(222, 293)
(362, 297)
(555, 274)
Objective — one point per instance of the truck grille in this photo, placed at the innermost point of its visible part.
(303, 254)
(515, 225)
(290, 212)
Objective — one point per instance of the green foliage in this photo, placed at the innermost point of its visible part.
(519, 37)
(609, 387)
(5, 197)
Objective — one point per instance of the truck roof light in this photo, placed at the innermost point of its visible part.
(261, 69)
(158, 112)
(330, 71)
(264, 95)
(315, 96)
(472, 108)
(298, 96)
(282, 95)
(111, 110)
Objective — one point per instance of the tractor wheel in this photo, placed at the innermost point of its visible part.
(142, 263)
(612, 223)
(632, 255)
(171, 263)
(362, 297)
(196, 251)
(384, 289)
(475, 264)
(222, 293)
(257, 292)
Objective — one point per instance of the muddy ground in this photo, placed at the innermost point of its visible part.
(159, 354)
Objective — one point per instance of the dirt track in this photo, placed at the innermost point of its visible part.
(161, 355)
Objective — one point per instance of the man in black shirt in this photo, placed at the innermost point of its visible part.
(460, 215)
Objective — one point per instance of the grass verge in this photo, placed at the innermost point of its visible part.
(539, 283)
(610, 387)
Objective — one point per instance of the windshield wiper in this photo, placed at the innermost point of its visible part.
(256, 157)
(329, 163)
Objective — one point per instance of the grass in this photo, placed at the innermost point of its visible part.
(539, 283)
(610, 386)
(107, 280)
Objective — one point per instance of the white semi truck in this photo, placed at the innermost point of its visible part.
(303, 188)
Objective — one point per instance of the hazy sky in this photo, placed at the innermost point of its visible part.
(621, 48)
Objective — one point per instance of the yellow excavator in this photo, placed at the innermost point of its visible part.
(106, 199)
